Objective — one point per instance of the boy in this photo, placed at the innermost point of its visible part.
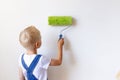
(118, 76)
(30, 39)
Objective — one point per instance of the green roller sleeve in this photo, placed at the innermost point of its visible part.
(60, 20)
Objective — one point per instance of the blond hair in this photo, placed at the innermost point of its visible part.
(29, 36)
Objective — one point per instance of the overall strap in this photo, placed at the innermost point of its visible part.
(32, 65)
(23, 63)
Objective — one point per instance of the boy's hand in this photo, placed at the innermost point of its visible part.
(60, 42)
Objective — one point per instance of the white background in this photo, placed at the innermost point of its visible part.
(92, 44)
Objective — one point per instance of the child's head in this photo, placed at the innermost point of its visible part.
(30, 38)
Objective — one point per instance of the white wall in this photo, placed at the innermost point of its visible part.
(92, 44)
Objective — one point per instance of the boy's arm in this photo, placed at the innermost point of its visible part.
(21, 76)
(58, 61)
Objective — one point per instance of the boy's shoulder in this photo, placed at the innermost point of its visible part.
(44, 61)
(26, 55)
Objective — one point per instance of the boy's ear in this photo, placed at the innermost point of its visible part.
(38, 44)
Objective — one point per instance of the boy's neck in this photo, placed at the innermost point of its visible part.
(30, 52)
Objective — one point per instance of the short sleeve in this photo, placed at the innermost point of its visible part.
(19, 60)
(45, 61)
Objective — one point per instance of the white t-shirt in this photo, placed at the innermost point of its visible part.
(40, 71)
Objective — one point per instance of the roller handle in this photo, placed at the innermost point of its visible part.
(60, 36)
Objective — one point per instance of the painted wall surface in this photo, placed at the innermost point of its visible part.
(92, 44)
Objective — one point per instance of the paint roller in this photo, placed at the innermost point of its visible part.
(60, 21)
